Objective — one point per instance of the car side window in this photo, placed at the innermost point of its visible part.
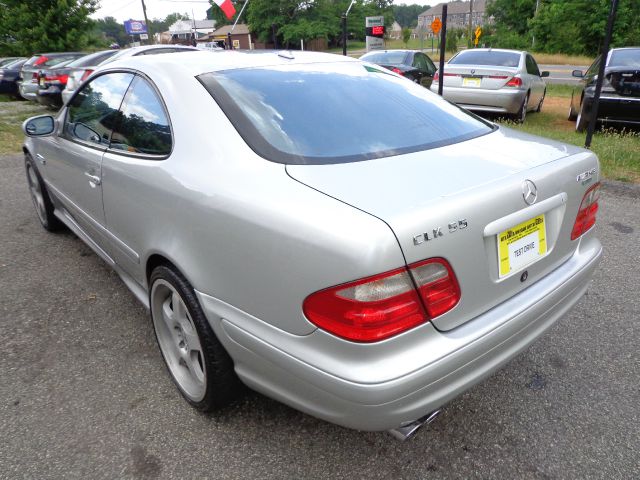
(419, 62)
(532, 67)
(431, 68)
(93, 111)
(593, 69)
(143, 125)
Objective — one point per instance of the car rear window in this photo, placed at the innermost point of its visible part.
(336, 113)
(625, 58)
(387, 58)
(92, 59)
(491, 58)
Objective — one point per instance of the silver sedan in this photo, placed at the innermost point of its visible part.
(316, 228)
(494, 80)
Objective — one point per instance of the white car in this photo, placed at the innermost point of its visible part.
(494, 80)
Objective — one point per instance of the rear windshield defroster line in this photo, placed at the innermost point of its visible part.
(341, 114)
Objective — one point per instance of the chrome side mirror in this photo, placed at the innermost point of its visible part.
(39, 126)
(577, 73)
(544, 74)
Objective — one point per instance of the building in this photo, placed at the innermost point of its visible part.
(457, 15)
(241, 38)
(395, 31)
(183, 31)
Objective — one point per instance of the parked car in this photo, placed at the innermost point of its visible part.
(620, 96)
(7, 60)
(9, 75)
(412, 64)
(494, 80)
(28, 82)
(80, 74)
(362, 261)
(53, 82)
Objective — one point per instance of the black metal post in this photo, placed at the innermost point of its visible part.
(230, 46)
(605, 51)
(443, 46)
(344, 35)
(275, 38)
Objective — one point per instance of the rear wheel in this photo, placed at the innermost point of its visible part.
(572, 113)
(198, 363)
(522, 113)
(40, 196)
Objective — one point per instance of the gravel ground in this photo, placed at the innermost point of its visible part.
(84, 393)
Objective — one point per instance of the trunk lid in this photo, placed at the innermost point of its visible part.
(462, 197)
(489, 78)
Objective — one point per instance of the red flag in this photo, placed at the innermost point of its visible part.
(227, 8)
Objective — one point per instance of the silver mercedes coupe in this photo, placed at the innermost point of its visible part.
(317, 228)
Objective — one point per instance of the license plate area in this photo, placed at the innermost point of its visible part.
(471, 82)
(521, 245)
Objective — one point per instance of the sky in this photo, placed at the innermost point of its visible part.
(126, 9)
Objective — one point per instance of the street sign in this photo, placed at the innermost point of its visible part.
(374, 27)
(436, 25)
(478, 32)
(144, 36)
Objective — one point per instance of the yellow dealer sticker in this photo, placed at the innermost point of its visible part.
(521, 245)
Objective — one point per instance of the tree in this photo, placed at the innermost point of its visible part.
(406, 36)
(407, 15)
(511, 23)
(111, 31)
(45, 25)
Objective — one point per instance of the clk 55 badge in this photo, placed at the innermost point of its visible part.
(437, 231)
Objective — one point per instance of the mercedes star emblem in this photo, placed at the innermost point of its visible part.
(529, 192)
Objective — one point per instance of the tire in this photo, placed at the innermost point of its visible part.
(544, 94)
(196, 360)
(572, 114)
(581, 120)
(522, 112)
(40, 196)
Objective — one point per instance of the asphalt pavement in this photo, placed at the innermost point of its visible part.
(85, 395)
(562, 73)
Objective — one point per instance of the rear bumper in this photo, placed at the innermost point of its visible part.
(28, 90)
(499, 101)
(615, 109)
(389, 384)
(51, 97)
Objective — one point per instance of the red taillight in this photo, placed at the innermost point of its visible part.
(85, 75)
(56, 78)
(398, 71)
(379, 307)
(586, 217)
(514, 82)
(42, 59)
(436, 77)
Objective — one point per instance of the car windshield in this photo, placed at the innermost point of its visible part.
(387, 58)
(629, 57)
(336, 113)
(484, 57)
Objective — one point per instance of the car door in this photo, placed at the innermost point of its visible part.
(74, 159)
(133, 174)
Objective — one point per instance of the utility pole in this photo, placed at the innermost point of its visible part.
(535, 14)
(146, 22)
(443, 46)
(344, 28)
(470, 23)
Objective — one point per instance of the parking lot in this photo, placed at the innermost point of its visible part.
(84, 392)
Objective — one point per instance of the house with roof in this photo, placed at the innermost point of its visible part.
(457, 15)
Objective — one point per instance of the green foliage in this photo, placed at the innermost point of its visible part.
(453, 37)
(406, 36)
(407, 15)
(296, 20)
(561, 26)
(45, 25)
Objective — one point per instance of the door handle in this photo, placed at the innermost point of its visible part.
(93, 178)
(41, 158)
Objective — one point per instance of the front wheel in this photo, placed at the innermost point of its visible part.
(198, 363)
(581, 121)
(40, 196)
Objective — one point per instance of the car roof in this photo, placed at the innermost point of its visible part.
(201, 61)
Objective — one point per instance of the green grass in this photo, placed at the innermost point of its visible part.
(618, 149)
(12, 114)
(559, 90)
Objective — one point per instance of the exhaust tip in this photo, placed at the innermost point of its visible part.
(407, 431)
